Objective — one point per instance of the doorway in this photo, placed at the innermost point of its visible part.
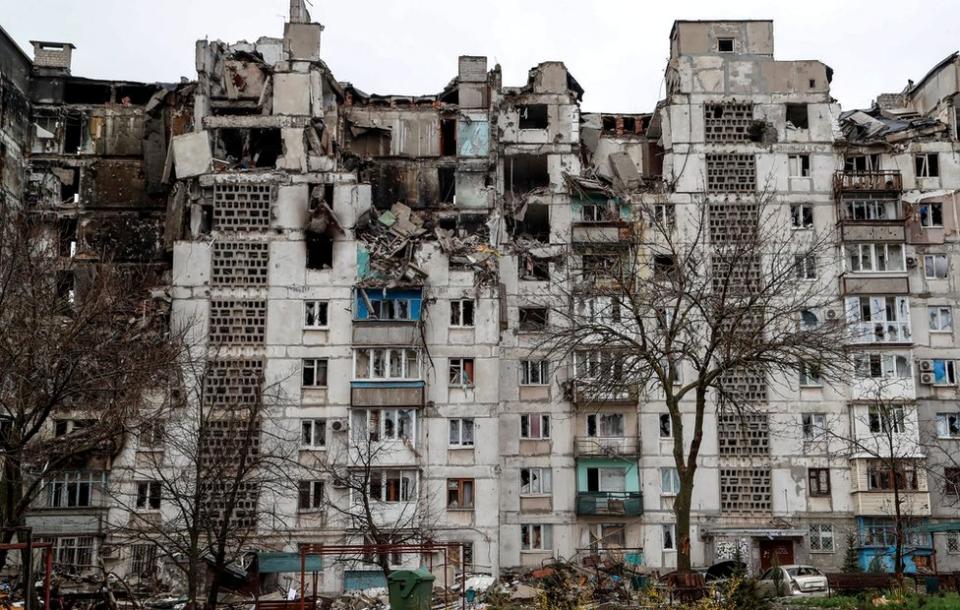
(779, 548)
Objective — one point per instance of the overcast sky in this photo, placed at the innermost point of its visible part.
(617, 49)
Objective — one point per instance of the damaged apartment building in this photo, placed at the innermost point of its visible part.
(386, 265)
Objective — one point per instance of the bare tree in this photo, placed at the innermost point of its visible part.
(218, 456)
(379, 502)
(718, 290)
(883, 436)
(82, 342)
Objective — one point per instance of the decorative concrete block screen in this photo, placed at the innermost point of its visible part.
(242, 207)
(240, 263)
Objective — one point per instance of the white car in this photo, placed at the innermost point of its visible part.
(797, 580)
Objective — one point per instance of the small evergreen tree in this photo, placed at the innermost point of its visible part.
(851, 560)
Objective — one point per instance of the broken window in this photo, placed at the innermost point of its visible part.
(605, 425)
(67, 233)
(814, 426)
(935, 266)
(315, 314)
(534, 372)
(461, 313)
(533, 318)
(725, 45)
(931, 214)
(663, 266)
(536, 537)
(74, 133)
(461, 371)
(148, 495)
(460, 494)
(866, 207)
(536, 481)
(609, 123)
(533, 269)
(525, 173)
(314, 373)
(801, 215)
(798, 116)
(535, 426)
(535, 223)
(818, 482)
(861, 163)
(384, 425)
(447, 184)
(381, 364)
(319, 252)
(805, 266)
(533, 116)
(66, 288)
(310, 495)
(799, 166)
(397, 305)
(629, 124)
(927, 165)
(313, 433)
(461, 432)
(250, 148)
(448, 137)
(666, 426)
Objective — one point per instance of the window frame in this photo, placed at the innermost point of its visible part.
(321, 309)
(543, 426)
(388, 422)
(928, 213)
(930, 263)
(819, 486)
(459, 422)
(805, 266)
(817, 531)
(527, 531)
(458, 313)
(314, 495)
(945, 430)
(668, 431)
(313, 365)
(721, 41)
(922, 166)
(817, 424)
(529, 367)
(149, 496)
(387, 358)
(673, 475)
(544, 478)
(938, 314)
(796, 162)
(877, 254)
(462, 485)
(318, 432)
(467, 374)
(798, 217)
(668, 534)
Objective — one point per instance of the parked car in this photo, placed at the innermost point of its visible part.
(797, 580)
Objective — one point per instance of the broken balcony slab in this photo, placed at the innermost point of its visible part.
(302, 40)
(192, 154)
(255, 121)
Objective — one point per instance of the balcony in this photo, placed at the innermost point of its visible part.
(875, 284)
(873, 230)
(867, 181)
(613, 503)
(592, 446)
(604, 232)
(584, 395)
(386, 393)
(864, 333)
(881, 503)
(384, 332)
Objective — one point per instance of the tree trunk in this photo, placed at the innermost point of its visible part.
(193, 586)
(681, 509)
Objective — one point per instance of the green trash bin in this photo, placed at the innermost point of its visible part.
(410, 589)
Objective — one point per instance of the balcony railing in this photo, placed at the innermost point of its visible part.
(867, 181)
(601, 446)
(880, 332)
(586, 393)
(622, 503)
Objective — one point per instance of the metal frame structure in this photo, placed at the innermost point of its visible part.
(342, 549)
(48, 564)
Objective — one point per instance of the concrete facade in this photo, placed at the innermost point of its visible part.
(303, 225)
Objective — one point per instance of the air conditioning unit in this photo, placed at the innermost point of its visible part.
(926, 366)
(339, 483)
(926, 378)
(831, 314)
(338, 425)
(911, 262)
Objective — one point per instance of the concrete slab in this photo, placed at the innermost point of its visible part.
(191, 154)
